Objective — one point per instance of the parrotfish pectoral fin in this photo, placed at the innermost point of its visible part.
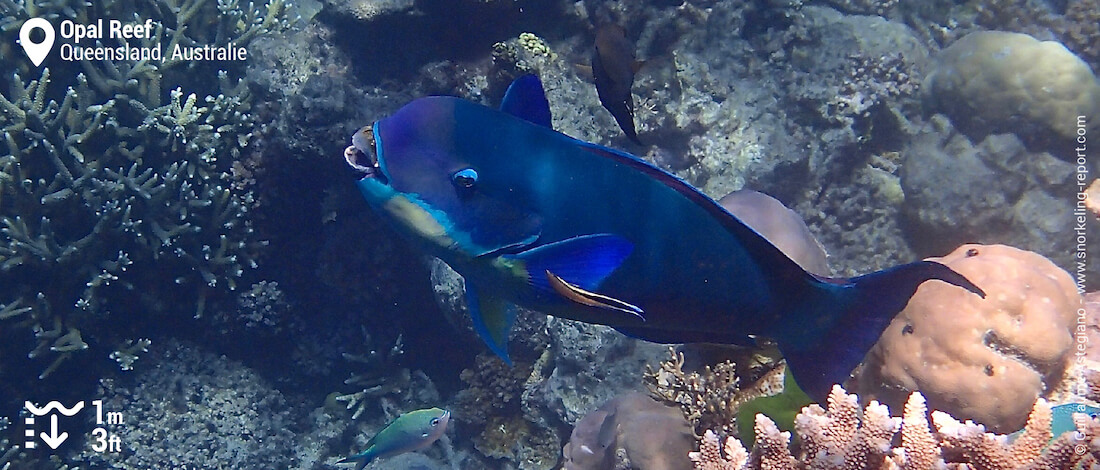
(591, 299)
(845, 318)
(492, 318)
(526, 99)
(583, 261)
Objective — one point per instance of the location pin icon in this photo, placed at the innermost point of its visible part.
(37, 52)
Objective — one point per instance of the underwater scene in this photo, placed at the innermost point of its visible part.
(549, 234)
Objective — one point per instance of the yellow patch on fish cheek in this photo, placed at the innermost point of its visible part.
(418, 219)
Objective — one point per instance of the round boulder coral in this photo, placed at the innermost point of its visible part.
(981, 359)
(992, 82)
(780, 225)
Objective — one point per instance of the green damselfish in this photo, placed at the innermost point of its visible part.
(411, 431)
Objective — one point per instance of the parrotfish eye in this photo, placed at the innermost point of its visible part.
(435, 422)
(465, 178)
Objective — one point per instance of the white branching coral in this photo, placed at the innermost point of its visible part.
(839, 437)
(107, 191)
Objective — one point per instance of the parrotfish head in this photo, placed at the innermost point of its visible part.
(419, 173)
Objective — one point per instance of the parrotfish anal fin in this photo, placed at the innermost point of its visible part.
(828, 343)
(526, 99)
(493, 318)
(583, 261)
(591, 299)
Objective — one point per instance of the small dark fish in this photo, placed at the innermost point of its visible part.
(613, 68)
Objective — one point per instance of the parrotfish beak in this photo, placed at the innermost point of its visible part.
(362, 154)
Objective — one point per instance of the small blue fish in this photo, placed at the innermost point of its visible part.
(411, 431)
(1061, 420)
(533, 217)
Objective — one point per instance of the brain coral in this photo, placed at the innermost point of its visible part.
(980, 359)
(998, 82)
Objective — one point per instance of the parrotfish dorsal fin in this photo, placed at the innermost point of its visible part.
(492, 318)
(526, 99)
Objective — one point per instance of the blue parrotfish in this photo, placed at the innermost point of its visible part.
(613, 69)
(533, 217)
(411, 431)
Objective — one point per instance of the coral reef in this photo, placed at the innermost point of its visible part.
(8, 452)
(991, 191)
(493, 390)
(382, 380)
(118, 197)
(492, 403)
(630, 431)
(709, 399)
(840, 438)
(996, 82)
(587, 366)
(1092, 201)
(980, 359)
(864, 7)
(1080, 31)
(217, 413)
(780, 225)
(261, 309)
(1089, 326)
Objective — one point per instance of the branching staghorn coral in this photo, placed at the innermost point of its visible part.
(384, 376)
(115, 193)
(98, 218)
(841, 438)
(8, 452)
(127, 353)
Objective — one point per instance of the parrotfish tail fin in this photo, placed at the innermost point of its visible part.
(361, 460)
(836, 339)
(492, 318)
(526, 99)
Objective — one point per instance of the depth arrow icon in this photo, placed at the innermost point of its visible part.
(53, 439)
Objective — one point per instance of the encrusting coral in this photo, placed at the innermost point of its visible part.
(837, 438)
(980, 359)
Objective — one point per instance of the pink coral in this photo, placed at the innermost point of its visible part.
(980, 359)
